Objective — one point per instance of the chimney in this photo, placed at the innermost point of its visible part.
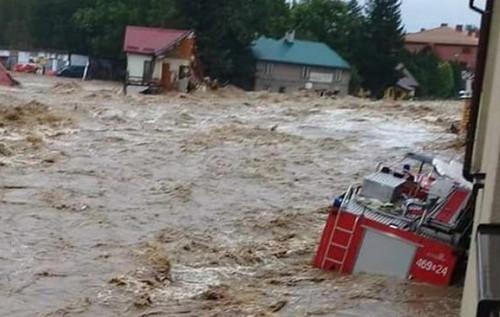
(422, 29)
(459, 28)
(444, 25)
(471, 33)
(290, 37)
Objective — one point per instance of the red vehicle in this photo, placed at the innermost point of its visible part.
(411, 220)
(29, 68)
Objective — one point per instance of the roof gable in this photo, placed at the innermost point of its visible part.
(442, 35)
(151, 41)
(297, 52)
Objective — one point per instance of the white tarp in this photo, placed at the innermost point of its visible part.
(452, 169)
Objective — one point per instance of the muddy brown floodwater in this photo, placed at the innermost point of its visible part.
(194, 205)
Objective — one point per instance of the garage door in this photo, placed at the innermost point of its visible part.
(385, 255)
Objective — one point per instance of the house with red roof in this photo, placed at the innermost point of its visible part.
(449, 44)
(159, 57)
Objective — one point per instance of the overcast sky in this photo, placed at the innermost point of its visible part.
(431, 13)
(427, 14)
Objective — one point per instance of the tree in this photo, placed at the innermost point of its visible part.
(445, 79)
(104, 21)
(337, 23)
(15, 19)
(320, 20)
(424, 67)
(355, 41)
(436, 79)
(333, 22)
(60, 31)
(225, 30)
(458, 81)
(48, 24)
(384, 45)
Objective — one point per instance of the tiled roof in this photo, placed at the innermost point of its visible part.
(145, 40)
(442, 35)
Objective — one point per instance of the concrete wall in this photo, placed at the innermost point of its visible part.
(291, 78)
(486, 159)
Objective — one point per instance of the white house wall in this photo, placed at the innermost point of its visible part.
(175, 64)
(135, 64)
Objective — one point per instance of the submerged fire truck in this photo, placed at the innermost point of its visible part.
(410, 220)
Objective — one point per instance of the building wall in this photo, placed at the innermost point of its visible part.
(135, 64)
(460, 53)
(78, 60)
(186, 48)
(277, 76)
(486, 159)
(415, 47)
(181, 56)
(175, 64)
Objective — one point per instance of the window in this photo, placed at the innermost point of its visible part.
(306, 71)
(466, 50)
(147, 71)
(337, 75)
(268, 68)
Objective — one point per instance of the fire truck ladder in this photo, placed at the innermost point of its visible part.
(344, 249)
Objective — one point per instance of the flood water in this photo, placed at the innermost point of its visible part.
(193, 205)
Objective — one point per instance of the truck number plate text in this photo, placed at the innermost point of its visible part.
(428, 265)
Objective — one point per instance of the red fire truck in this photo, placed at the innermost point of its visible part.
(410, 220)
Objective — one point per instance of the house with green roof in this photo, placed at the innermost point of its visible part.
(288, 64)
